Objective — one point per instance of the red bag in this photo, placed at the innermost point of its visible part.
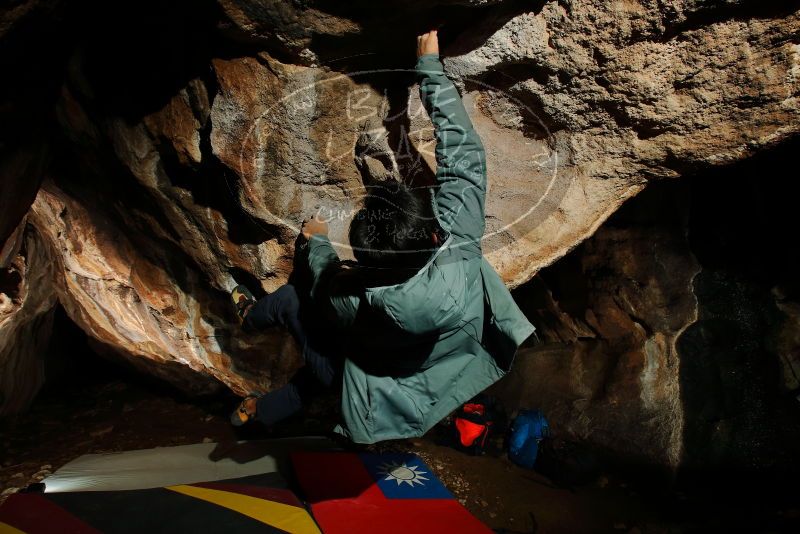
(472, 425)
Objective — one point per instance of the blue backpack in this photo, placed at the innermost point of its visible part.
(527, 430)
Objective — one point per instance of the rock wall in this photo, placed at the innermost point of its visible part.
(126, 303)
(189, 140)
(27, 303)
(610, 314)
(670, 336)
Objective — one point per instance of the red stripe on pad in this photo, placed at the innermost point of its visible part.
(423, 516)
(268, 494)
(326, 476)
(33, 513)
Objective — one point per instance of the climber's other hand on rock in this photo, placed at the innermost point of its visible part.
(428, 43)
(313, 226)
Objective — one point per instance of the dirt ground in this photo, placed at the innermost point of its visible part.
(105, 414)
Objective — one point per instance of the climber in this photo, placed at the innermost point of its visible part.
(421, 321)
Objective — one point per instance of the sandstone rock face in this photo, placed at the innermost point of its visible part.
(194, 140)
(627, 92)
(131, 306)
(27, 301)
(670, 336)
(608, 370)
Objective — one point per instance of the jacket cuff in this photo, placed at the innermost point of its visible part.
(317, 240)
(429, 64)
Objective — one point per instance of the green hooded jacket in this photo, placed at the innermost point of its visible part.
(420, 348)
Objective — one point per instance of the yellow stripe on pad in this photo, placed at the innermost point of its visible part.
(277, 514)
(5, 528)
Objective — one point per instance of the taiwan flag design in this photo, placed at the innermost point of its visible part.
(387, 493)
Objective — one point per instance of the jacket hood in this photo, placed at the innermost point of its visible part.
(430, 300)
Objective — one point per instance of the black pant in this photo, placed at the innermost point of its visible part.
(286, 308)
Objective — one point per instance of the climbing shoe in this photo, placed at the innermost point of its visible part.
(241, 416)
(242, 301)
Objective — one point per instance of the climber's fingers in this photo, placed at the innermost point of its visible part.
(428, 43)
(314, 226)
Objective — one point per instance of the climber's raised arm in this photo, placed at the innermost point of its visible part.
(322, 258)
(460, 157)
(324, 265)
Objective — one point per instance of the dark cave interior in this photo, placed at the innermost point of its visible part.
(742, 429)
(728, 230)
